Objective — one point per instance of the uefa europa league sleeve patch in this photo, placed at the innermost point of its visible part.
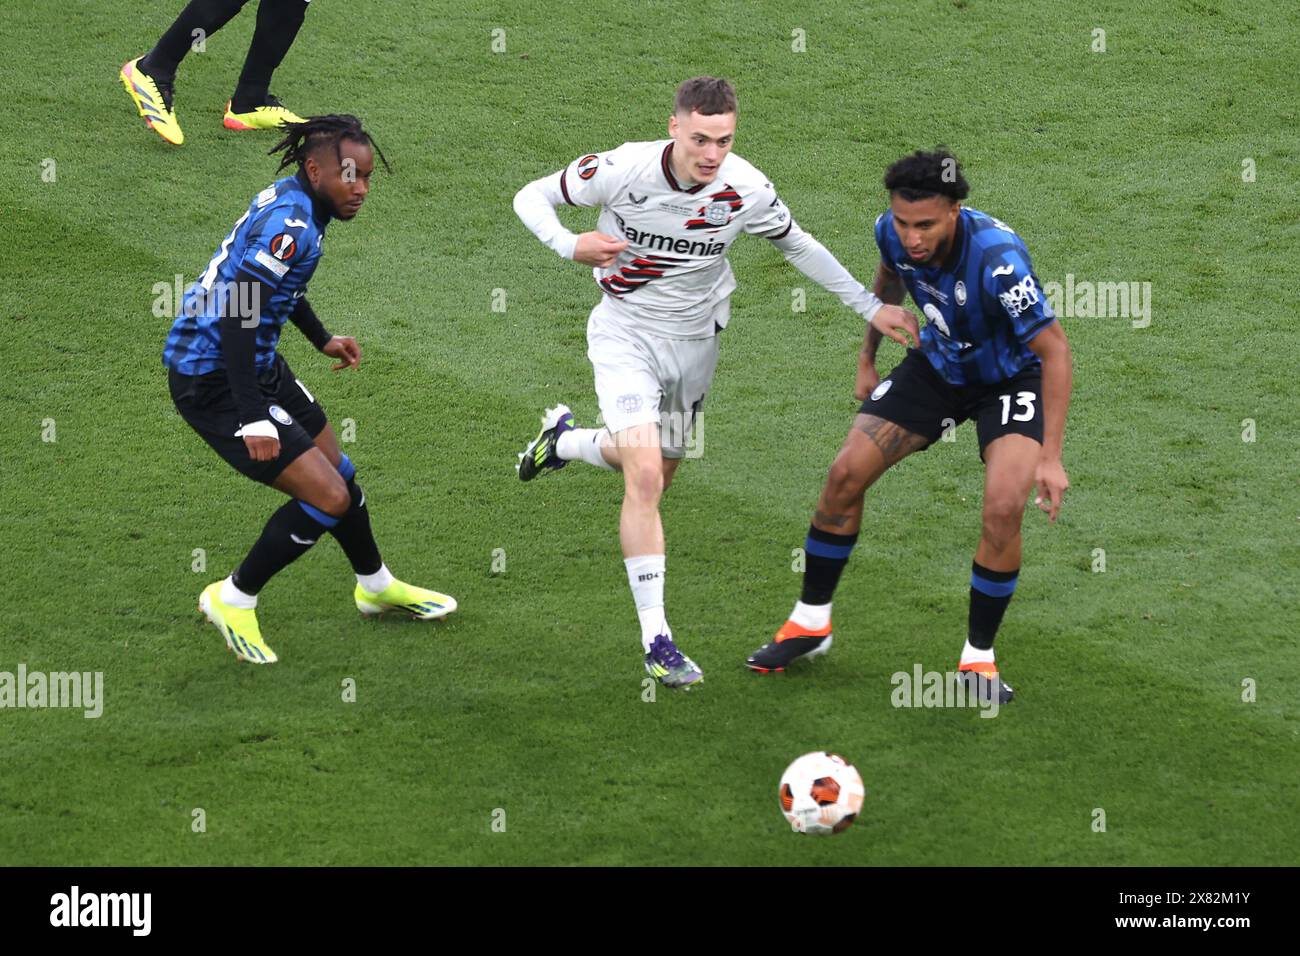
(284, 246)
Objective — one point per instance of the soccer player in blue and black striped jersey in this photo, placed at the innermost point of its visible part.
(233, 388)
(991, 351)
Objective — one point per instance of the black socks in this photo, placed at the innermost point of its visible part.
(289, 535)
(826, 553)
(990, 593)
(353, 529)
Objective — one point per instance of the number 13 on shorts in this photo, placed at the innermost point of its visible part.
(1024, 400)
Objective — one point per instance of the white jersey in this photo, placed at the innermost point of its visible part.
(674, 271)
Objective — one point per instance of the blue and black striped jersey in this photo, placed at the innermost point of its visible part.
(277, 240)
(983, 311)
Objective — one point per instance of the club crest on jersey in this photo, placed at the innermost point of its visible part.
(959, 292)
(719, 211)
(629, 404)
(588, 165)
(280, 415)
(284, 246)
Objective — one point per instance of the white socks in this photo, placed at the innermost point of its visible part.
(645, 576)
(234, 597)
(374, 583)
(812, 616)
(583, 444)
(973, 655)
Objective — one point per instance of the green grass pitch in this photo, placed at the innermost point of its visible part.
(1168, 158)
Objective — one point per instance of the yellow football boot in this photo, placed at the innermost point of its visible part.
(270, 115)
(238, 625)
(426, 605)
(153, 100)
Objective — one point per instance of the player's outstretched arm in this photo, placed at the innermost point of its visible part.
(535, 206)
(342, 347)
(309, 324)
(1052, 347)
(815, 261)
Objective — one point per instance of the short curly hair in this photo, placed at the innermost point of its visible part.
(925, 174)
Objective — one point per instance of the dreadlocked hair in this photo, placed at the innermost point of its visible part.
(302, 139)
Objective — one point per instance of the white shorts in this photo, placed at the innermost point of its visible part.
(642, 378)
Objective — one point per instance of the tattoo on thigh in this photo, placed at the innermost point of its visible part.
(894, 441)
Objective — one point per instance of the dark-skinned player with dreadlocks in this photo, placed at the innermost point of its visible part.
(233, 388)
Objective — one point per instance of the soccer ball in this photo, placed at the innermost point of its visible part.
(821, 793)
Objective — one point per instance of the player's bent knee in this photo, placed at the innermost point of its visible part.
(643, 483)
(845, 483)
(1001, 520)
(1004, 508)
(645, 487)
(335, 498)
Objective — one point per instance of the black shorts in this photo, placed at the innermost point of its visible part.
(208, 405)
(916, 397)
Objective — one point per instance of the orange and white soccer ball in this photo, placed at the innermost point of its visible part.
(821, 793)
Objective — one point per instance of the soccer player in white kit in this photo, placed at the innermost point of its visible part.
(669, 209)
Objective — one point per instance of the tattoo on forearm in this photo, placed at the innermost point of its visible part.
(894, 441)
